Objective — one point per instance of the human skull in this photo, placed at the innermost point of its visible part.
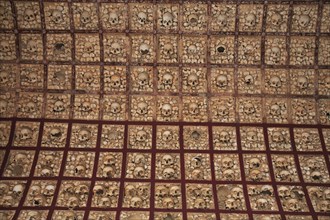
(236, 192)
(86, 106)
(167, 80)
(85, 17)
(49, 190)
(281, 162)
(277, 137)
(223, 20)
(167, 135)
(255, 175)
(249, 109)
(192, 49)
(3, 106)
(18, 190)
(38, 201)
(46, 172)
(324, 206)
(168, 49)
(283, 191)
(276, 19)
(229, 174)
(249, 80)
(167, 19)
(168, 202)
(192, 80)
(262, 203)
(293, 205)
(175, 191)
(142, 18)
(108, 171)
(231, 204)
(302, 82)
(89, 47)
(250, 20)
(4, 46)
(275, 82)
(161, 191)
(30, 107)
(56, 16)
(301, 111)
(4, 188)
(32, 77)
(25, 133)
(168, 173)
(141, 136)
(304, 20)
(29, 15)
(275, 110)
(193, 108)
(115, 48)
(222, 81)
(7, 201)
(139, 159)
(200, 203)
(222, 111)
(254, 163)
(139, 172)
(166, 110)
(316, 176)
(143, 79)
(224, 137)
(115, 108)
(59, 106)
(4, 76)
(136, 202)
(142, 108)
(115, 81)
(109, 160)
(144, 49)
(32, 46)
(196, 162)
(227, 163)
(80, 170)
(84, 135)
(167, 160)
(193, 19)
(113, 18)
(275, 53)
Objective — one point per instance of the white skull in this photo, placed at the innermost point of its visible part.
(29, 15)
(18, 190)
(55, 133)
(57, 16)
(293, 205)
(168, 203)
(144, 49)
(167, 19)
(250, 20)
(275, 82)
(222, 81)
(283, 191)
(302, 82)
(109, 160)
(304, 20)
(166, 110)
(143, 79)
(276, 19)
(316, 176)
(277, 137)
(35, 190)
(142, 18)
(32, 46)
(4, 188)
(192, 80)
(222, 111)
(141, 136)
(80, 170)
(281, 162)
(136, 202)
(196, 162)
(167, 80)
(167, 160)
(168, 49)
(113, 18)
(254, 163)
(284, 175)
(142, 108)
(262, 203)
(4, 77)
(168, 173)
(26, 133)
(167, 135)
(193, 108)
(108, 172)
(237, 192)
(139, 172)
(85, 17)
(192, 49)
(30, 107)
(275, 110)
(115, 48)
(301, 111)
(115, 108)
(115, 81)
(86, 106)
(175, 191)
(59, 106)
(231, 204)
(223, 20)
(46, 172)
(229, 174)
(3, 106)
(88, 77)
(249, 109)
(84, 135)
(224, 137)
(49, 190)
(5, 46)
(227, 163)
(249, 80)
(139, 159)
(276, 53)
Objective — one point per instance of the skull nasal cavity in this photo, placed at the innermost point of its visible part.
(221, 49)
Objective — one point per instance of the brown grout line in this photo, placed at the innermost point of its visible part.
(123, 174)
(272, 173)
(61, 173)
(243, 176)
(94, 175)
(29, 178)
(183, 174)
(300, 175)
(8, 148)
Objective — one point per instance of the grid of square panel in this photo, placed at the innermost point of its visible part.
(156, 170)
(261, 62)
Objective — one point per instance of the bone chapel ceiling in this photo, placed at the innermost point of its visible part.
(165, 110)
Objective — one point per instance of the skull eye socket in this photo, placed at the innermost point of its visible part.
(59, 46)
(221, 49)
